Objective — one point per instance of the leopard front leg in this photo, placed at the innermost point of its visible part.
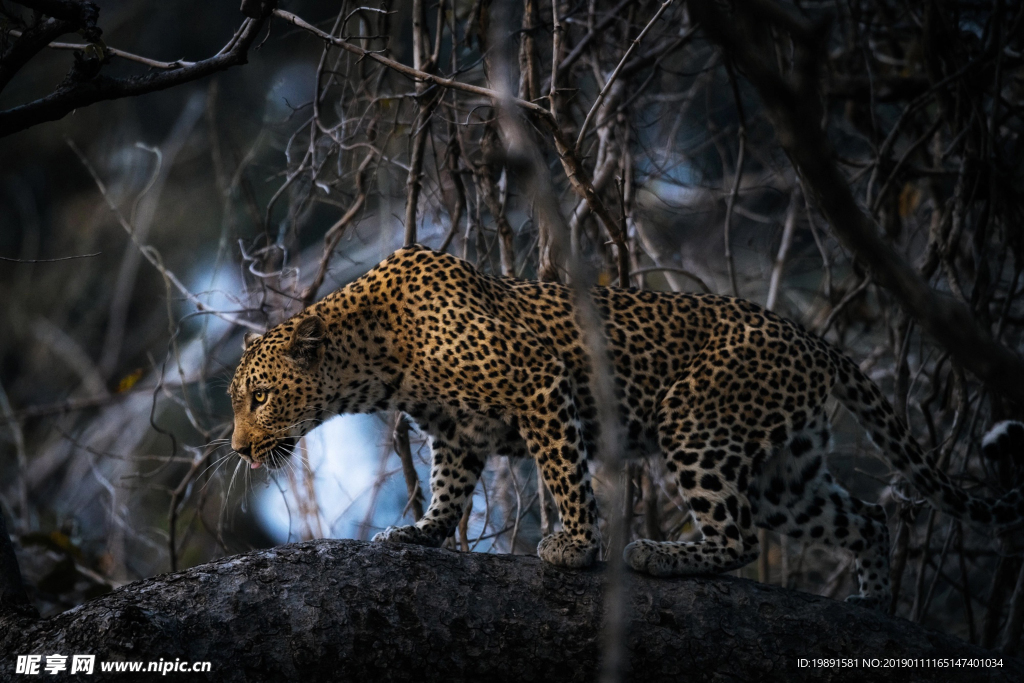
(453, 475)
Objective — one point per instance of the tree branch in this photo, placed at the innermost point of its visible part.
(409, 71)
(349, 610)
(28, 44)
(74, 11)
(794, 110)
(114, 52)
(75, 93)
(615, 74)
(578, 177)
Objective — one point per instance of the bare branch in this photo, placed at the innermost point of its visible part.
(114, 52)
(77, 92)
(615, 74)
(48, 260)
(403, 69)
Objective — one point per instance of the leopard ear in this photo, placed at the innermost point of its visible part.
(249, 339)
(307, 343)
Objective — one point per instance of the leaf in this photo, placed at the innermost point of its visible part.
(909, 200)
(129, 381)
(55, 540)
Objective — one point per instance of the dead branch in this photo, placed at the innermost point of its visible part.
(85, 85)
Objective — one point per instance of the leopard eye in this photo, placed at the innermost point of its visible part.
(259, 396)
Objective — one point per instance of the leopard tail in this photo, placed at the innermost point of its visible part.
(888, 432)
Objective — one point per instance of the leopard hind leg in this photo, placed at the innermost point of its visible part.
(711, 470)
(794, 494)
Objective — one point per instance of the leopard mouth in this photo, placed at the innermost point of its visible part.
(275, 454)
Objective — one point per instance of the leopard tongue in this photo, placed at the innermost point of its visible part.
(254, 465)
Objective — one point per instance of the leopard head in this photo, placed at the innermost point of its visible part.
(277, 392)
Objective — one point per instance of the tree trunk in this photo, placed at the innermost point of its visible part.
(355, 611)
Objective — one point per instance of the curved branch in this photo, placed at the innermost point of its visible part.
(74, 94)
(28, 44)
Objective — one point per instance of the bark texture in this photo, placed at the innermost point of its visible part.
(351, 611)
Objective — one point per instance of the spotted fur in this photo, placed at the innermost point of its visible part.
(732, 395)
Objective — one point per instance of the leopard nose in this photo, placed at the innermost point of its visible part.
(244, 450)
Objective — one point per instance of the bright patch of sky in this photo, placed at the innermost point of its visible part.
(345, 456)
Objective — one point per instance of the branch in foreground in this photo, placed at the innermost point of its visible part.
(794, 111)
(73, 94)
(349, 610)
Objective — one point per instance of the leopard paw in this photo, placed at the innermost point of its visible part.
(563, 550)
(406, 534)
(649, 557)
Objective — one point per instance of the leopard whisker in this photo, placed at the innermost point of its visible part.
(216, 465)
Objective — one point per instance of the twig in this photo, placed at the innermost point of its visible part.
(48, 260)
(64, 347)
(415, 74)
(672, 269)
(919, 595)
(151, 254)
(731, 200)
(919, 614)
(519, 507)
(843, 303)
(179, 492)
(965, 591)
(574, 171)
(615, 74)
(547, 520)
(597, 30)
(557, 34)
(335, 232)
(74, 404)
(900, 546)
(113, 51)
(1015, 620)
(780, 258)
(902, 162)
(423, 62)
(795, 113)
(464, 525)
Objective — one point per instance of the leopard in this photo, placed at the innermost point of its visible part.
(731, 395)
